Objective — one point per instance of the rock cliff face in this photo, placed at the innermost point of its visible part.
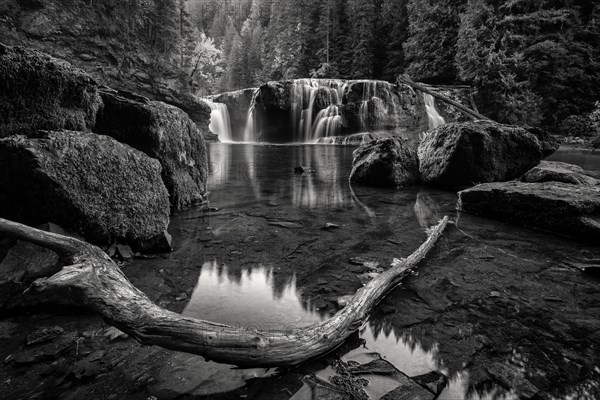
(41, 92)
(91, 184)
(99, 39)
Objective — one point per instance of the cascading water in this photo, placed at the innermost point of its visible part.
(251, 131)
(435, 119)
(306, 94)
(369, 93)
(219, 120)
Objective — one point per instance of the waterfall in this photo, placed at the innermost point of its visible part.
(306, 95)
(251, 131)
(327, 123)
(435, 119)
(219, 120)
(368, 95)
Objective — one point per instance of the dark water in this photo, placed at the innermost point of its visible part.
(265, 262)
(586, 159)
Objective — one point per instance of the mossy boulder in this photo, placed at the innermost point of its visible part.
(90, 184)
(41, 92)
(387, 162)
(459, 155)
(163, 132)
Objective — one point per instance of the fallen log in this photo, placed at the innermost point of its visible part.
(94, 281)
(407, 81)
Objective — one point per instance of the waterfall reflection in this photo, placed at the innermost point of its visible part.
(257, 172)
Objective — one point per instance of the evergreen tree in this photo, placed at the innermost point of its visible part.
(394, 18)
(431, 44)
(361, 40)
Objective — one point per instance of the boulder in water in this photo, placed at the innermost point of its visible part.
(87, 183)
(459, 155)
(163, 132)
(553, 171)
(41, 92)
(548, 143)
(387, 162)
(558, 207)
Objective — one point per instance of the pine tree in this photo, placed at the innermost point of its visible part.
(361, 16)
(431, 44)
(394, 17)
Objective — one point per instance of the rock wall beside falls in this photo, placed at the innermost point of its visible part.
(238, 103)
(310, 110)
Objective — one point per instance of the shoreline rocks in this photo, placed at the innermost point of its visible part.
(165, 133)
(87, 183)
(562, 208)
(554, 171)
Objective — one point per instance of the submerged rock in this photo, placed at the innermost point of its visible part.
(388, 162)
(91, 184)
(558, 207)
(459, 155)
(554, 171)
(163, 132)
(41, 92)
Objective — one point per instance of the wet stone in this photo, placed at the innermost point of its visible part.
(511, 378)
(433, 381)
(377, 367)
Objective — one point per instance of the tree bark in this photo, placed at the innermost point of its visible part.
(94, 281)
(404, 79)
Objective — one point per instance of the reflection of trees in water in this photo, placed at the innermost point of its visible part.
(280, 283)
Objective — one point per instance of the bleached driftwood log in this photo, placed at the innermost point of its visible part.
(94, 281)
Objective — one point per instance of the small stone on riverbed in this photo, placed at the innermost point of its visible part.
(330, 226)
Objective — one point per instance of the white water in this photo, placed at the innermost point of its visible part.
(251, 133)
(328, 121)
(435, 119)
(220, 123)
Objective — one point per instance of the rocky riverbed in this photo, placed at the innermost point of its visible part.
(500, 310)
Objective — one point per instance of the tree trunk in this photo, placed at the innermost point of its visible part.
(96, 282)
(404, 79)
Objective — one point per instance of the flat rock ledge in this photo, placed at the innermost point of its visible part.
(568, 209)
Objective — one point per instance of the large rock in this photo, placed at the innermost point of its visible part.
(87, 183)
(388, 162)
(554, 171)
(41, 92)
(548, 143)
(163, 132)
(459, 155)
(558, 207)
